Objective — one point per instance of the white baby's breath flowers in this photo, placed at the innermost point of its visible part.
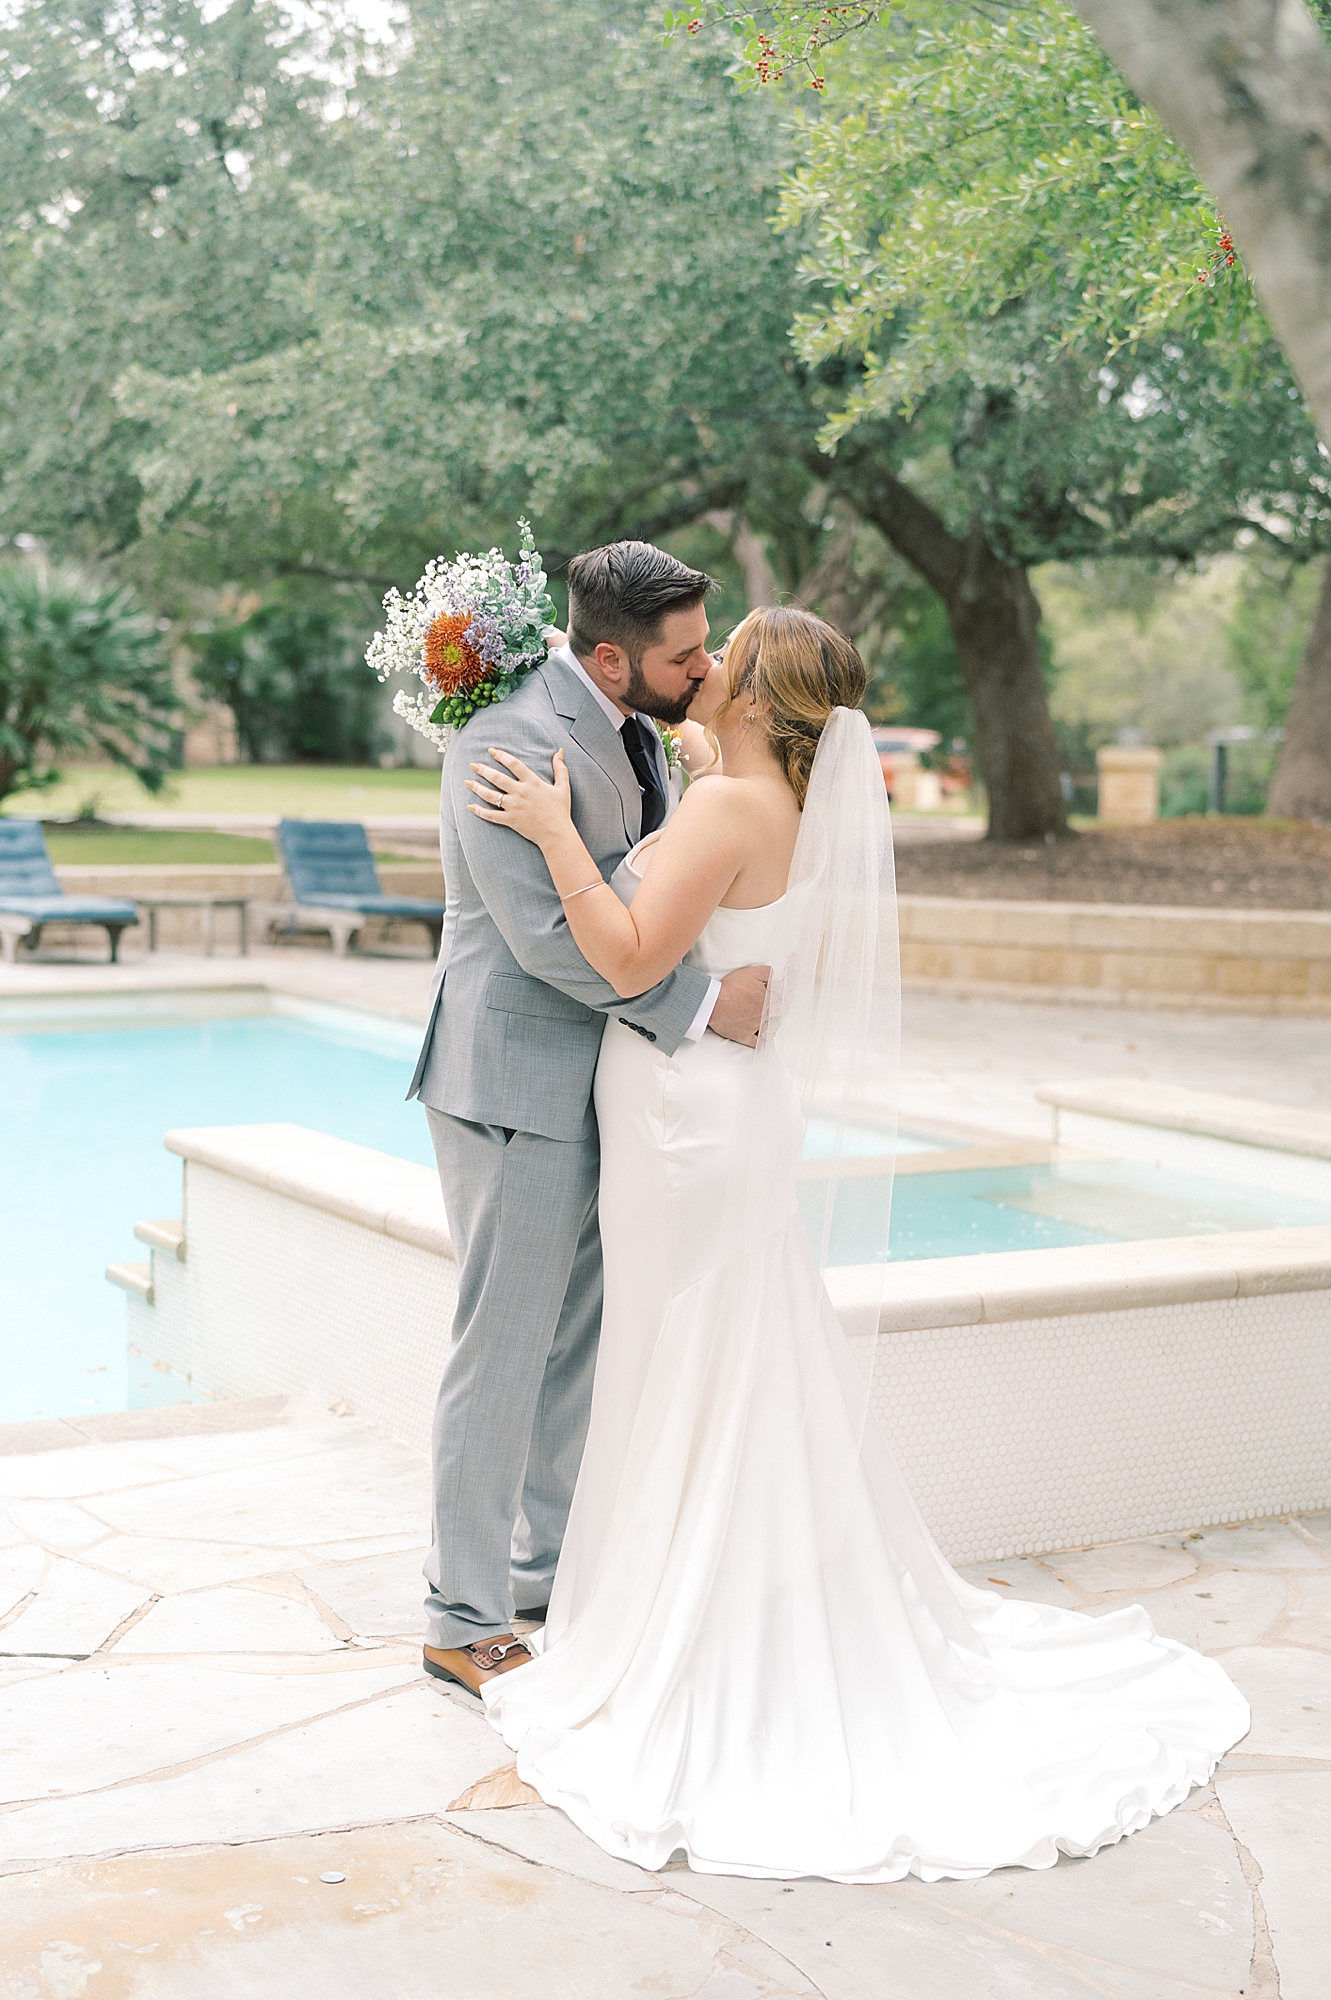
(417, 710)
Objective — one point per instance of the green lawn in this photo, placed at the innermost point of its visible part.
(137, 847)
(133, 847)
(305, 791)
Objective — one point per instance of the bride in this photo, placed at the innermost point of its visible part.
(754, 1651)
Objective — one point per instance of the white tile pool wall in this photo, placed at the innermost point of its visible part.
(1017, 1434)
(1100, 1427)
(278, 1295)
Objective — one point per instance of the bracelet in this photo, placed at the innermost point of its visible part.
(582, 892)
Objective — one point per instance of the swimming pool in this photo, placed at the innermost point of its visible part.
(85, 1104)
(85, 1100)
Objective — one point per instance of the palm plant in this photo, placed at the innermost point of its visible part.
(81, 669)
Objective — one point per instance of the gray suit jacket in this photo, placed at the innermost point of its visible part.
(517, 1013)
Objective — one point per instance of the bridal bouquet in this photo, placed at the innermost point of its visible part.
(470, 631)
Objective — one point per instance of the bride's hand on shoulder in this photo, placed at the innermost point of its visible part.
(514, 796)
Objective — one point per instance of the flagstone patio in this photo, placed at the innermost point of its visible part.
(224, 1775)
(210, 1693)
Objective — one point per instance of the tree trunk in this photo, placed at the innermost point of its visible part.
(1301, 788)
(1245, 88)
(994, 615)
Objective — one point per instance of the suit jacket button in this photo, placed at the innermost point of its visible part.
(650, 1036)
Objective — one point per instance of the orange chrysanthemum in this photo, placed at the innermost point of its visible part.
(450, 663)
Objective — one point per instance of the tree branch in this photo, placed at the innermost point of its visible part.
(689, 507)
(862, 475)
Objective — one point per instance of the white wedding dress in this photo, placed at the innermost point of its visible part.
(755, 1653)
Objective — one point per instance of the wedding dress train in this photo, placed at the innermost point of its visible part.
(755, 1653)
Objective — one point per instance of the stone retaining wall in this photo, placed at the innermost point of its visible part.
(1232, 961)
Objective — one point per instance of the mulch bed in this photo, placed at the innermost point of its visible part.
(1243, 864)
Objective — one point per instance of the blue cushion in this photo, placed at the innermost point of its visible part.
(58, 909)
(327, 857)
(377, 906)
(25, 865)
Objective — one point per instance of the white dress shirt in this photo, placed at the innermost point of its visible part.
(698, 1025)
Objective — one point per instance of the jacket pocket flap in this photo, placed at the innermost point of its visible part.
(511, 994)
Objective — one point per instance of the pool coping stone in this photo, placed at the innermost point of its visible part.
(394, 1197)
(1280, 1128)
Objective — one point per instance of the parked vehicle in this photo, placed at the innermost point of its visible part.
(908, 784)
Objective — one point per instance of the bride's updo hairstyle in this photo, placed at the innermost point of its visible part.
(800, 668)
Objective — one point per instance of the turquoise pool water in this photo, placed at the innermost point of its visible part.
(1048, 1207)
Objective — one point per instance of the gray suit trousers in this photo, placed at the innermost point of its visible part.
(513, 1406)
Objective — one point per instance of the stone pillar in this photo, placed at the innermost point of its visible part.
(1129, 784)
(914, 789)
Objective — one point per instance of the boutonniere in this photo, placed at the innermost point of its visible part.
(671, 741)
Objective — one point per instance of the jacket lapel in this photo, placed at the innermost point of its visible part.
(591, 729)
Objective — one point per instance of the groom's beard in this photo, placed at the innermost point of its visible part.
(647, 701)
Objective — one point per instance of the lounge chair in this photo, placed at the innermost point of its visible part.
(31, 896)
(335, 886)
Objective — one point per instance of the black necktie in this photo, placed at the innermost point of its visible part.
(637, 737)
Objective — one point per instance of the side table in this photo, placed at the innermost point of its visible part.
(210, 905)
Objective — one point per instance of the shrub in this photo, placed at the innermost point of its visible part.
(294, 678)
(81, 669)
(1185, 778)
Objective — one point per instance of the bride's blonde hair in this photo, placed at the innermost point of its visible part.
(800, 668)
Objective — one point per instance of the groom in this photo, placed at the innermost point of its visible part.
(505, 1075)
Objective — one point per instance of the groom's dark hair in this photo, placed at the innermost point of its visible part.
(621, 593)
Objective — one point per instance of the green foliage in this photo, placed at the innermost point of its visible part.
(1185, 780)
(1269, 630)
(530, 296)
(1006, 247)
(1038, 159)
(1141, 648)
(973, 159)
(977, 183)
(1040, 166)
(974, 153)
(294, 680)
(155, 186)
(81, 669)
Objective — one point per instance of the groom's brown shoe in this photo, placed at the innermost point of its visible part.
(472, 1666)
